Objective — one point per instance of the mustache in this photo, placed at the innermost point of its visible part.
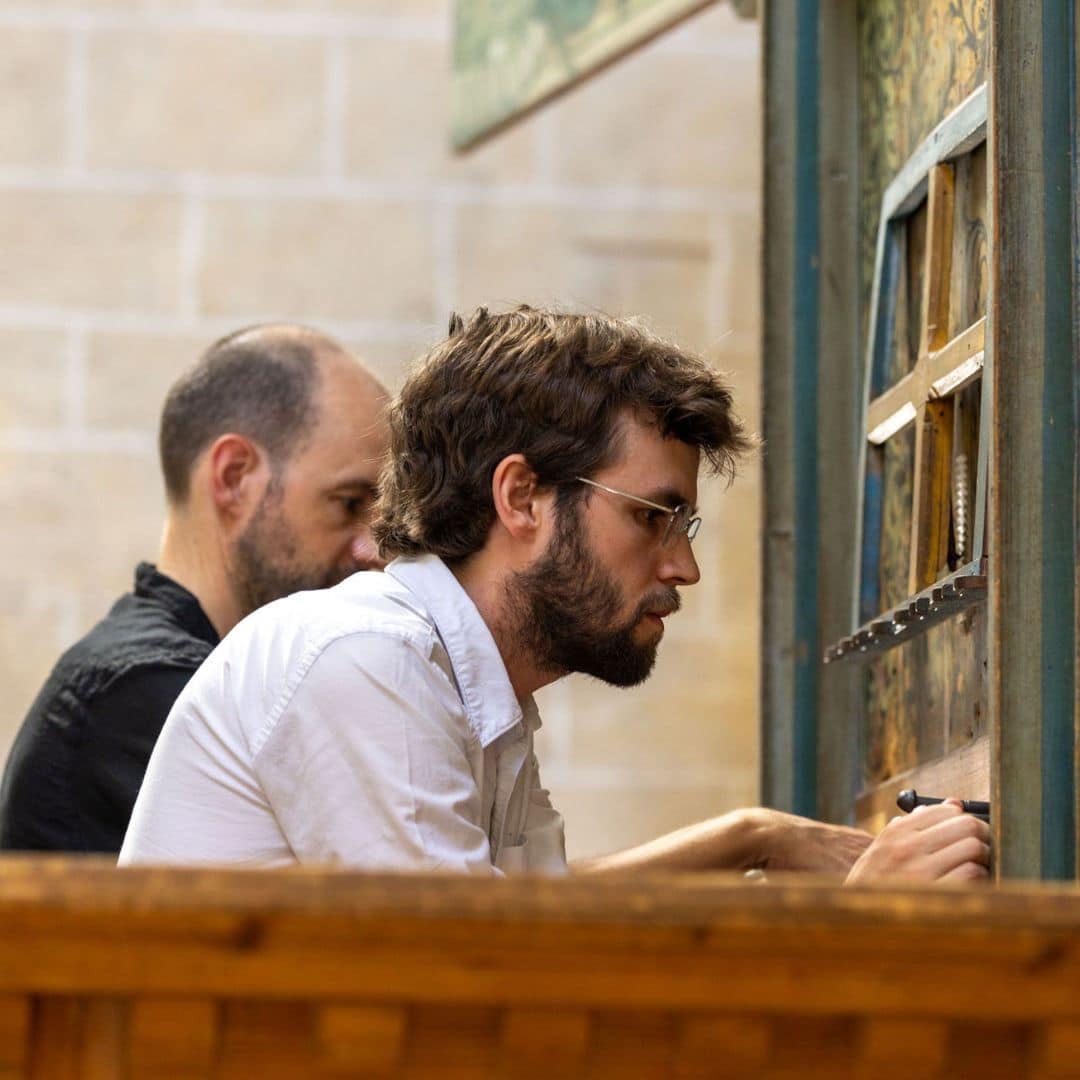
(661, 602)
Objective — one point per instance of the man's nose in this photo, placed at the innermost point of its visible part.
(680, 566)
(365, 552)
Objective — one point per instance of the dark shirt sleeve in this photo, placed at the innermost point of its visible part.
(71, 782)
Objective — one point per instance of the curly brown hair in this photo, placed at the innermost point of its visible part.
(548, 385)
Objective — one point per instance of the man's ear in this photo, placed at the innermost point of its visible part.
(238, 473)
(522, 506)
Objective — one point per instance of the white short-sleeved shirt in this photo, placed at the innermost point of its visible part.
(372, 724)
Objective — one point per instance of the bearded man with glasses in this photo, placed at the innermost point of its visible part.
(538, 509)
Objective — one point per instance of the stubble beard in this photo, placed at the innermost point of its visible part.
(266, 560)
(564, 610)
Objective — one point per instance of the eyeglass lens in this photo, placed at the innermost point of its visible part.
(679, 523)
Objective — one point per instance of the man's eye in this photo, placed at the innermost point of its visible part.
(654, 518)
(356, 505)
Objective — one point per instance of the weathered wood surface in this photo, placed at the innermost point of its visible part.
(927, 698)
(1033, 518)
(962, 774)
(839, 399)
(778, 459)
(168, 973)
(919, 60)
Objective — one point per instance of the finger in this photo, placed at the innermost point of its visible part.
(925, 817)
(954, 829)
(967, 872)
(968, 850)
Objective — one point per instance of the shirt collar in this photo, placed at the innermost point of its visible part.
(478, 667)
(152, 584)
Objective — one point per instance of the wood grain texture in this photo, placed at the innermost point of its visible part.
(840, 399)
(938, 279)
(932, 502)
(1033, 498)
(963, 774)
(321, 974)
(777, 350)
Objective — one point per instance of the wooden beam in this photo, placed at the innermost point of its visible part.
(932, 502)
(778, 351)
(840, 696)
(1033, 507)
(806, 391)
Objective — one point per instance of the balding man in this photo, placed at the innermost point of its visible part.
(271, 448)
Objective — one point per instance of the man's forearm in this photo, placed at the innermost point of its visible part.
(742, 840)
(729, 842)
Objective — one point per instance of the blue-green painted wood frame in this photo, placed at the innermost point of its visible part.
(1060, 427)
(805, 316)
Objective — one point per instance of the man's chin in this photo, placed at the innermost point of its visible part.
(630, 668)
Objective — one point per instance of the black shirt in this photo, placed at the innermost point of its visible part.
(79, 758)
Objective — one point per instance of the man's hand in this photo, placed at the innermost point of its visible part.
(787, 842)
(933, 843)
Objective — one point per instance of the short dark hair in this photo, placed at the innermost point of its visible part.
(545, 384)
(258, 382)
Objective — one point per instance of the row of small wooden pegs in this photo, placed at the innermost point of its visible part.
(911, 618)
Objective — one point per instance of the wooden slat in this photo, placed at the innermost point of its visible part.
(14, 1036)
(930, 512)
(940, 198)
(104, 1039)
(902, 1047)
(958, 363)
(839, 692)
(778, 344)
(964, 774)
(173, 1038)
(742, 1043)
(545, 1042)
(895, 409)
(1057, 1050)
(56, 1045)
(364, 1038)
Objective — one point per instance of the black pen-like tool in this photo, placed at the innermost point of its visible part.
(908, 800)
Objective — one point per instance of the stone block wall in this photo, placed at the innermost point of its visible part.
(173, 169)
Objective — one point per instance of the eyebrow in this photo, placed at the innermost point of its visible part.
(354, 484)
(668, 496)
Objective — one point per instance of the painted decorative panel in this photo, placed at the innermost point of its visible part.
(511, 55)
(919, 59)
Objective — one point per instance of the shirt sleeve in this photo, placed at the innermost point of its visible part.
(369, 762)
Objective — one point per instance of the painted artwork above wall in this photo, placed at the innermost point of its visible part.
(512, 55)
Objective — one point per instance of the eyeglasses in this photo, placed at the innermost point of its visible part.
(681, 519)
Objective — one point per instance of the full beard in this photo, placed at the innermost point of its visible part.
(564, 610)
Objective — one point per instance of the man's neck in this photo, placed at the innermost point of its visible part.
(484, 580)
(195, 558)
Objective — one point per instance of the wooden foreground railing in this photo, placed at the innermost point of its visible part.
(169, 973)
